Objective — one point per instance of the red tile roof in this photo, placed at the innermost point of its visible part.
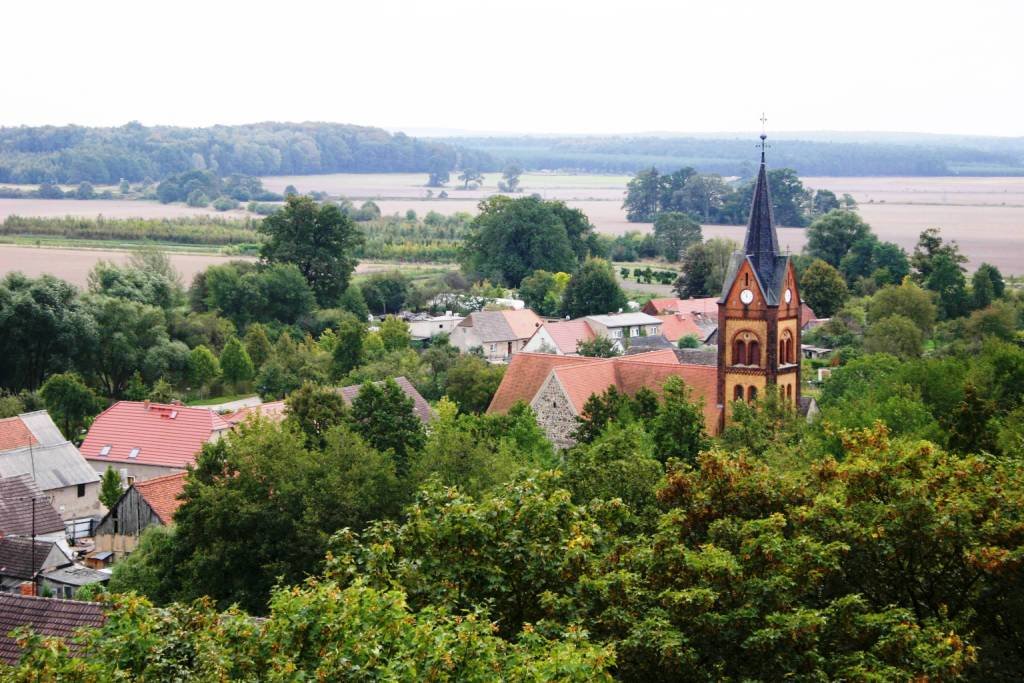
(166, 435)
(707, 306)
(568, 334)
(162, 494)
(523, 322)
(525, 374)
(675, 326)
(273, 411)
(15, 434)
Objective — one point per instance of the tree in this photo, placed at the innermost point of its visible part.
(696, 269)
(85, 191)
(319, 239)
(511, 238)
(385, 292)
(394, 333)
(471, 382)
(130, 332)
(998, 320)
(987, 285)
(831, 237)
(257, 345)
(823, 288)
(384, 416)
(677, 429)
(689, 341)
(642, 196)
(314, 410)
(593, 289)
(70, 402)
(599, 411)
(947, 280)
(470, 175)
(353, 302)
(439, 172)
(110, 488)
(703, 194)
(203, 367)
(235, 363)
(510, 178)
(907, 300)
(896, 335)
(929, 247)
(598, 347)
(348, 352)
(675, 233)
(824, 201)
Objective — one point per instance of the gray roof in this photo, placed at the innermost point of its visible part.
(56, 466)
(16, 557)
(419, 404)
(490, 326)
(43, 428)
(697, 356)
(16, 496)
(649, 343)
(624, 319)
(76, 575)
(45, 616)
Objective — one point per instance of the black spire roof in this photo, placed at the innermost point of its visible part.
(762, 243)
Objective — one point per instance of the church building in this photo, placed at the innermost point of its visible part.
(759, 312)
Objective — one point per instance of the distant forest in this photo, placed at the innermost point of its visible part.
(72, 154)
(886, 155)
(133, 152)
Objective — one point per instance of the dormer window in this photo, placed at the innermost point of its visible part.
(105, 450)
(134, 453)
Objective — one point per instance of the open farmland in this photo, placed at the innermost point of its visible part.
(74, 265)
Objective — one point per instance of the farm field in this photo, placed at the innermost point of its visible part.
(109, 208)
(74, 265)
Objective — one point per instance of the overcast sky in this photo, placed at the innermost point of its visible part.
(551, 66)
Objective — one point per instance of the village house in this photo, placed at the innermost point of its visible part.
(424, 327)
(47, 617)
(420, 406)
(557, 387)
(146, 503)
(563, 337)
(498, 334)
(143, 440)
(32, 444)
(707, 306)
(24, 559)
(26, 511)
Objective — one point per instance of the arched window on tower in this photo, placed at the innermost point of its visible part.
(739, 352)
(786, 348)
(751, 394)
(737, 393)
(754, 353)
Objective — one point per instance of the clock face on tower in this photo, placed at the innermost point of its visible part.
(789, 295)
(746, 296)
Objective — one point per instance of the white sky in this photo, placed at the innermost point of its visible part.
(526, 66)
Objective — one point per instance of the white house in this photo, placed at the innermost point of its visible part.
(624, 325)
(498, 334)
(429, 327)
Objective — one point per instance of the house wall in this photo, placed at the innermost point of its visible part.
(432, 328)
(541, 342)
(119, 530)
(70, 506)
(555, 414)
(136, 471)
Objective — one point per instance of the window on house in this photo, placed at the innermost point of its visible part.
(737, 393)
(131, 480)
(81, 490)
(739, 352)
(105, 450)
(134, 453)
(754, 354)
(751, 394)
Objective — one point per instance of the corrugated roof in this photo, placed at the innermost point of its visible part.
(41, 424)
(76, 575)
(55, 466)
(16, 496)
(45, 616)
(420, 405)
(166, 435)
(161, 493)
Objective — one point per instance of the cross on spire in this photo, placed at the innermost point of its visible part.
(764, 136)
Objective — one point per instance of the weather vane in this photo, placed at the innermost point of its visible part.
(764, 136)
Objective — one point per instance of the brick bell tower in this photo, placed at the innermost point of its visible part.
(759, 313)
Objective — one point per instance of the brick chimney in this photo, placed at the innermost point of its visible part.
(27, 588)
(145, 404)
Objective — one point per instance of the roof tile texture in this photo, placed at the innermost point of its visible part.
(15, 434)
(161, 493)
(46, 616)
(16, 496)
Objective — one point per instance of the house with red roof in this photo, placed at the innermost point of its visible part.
(563, 337)
(143, 440)
(705, 306)
(498, 334)
(557, 387)
(146, 503)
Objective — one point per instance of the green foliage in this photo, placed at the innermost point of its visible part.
(704, 268)
(319, 239)
(593, 289)
(599, 347)
(245, 293)
(384, 416)
(471, 382)
(998, 320)
(131, 333)
(110, 488)
(134, 284)
(235, 363)
(543, 291)
(352, 301)
(348, 352)
(823, 288)
(689, 341)
(908, 300)
(677, 429)
(394, 333)
(70, 402)
(203, 367)
(831, 237)
(676, 232)
(257, 344)
(205, 230)
(385, 292)
(511, 238)
(314, 410)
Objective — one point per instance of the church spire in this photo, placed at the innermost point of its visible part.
(762, 242)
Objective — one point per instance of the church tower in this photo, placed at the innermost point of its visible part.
(759, 312)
